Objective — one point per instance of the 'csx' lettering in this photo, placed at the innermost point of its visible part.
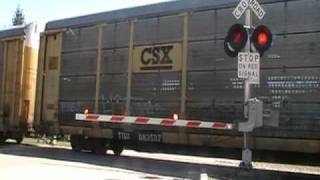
(156, 55)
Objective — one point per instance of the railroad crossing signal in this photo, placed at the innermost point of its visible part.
(248, 65)
(237, 37)
(236, 40)
(261, 39)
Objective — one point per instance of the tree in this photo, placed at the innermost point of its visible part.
(18, 18)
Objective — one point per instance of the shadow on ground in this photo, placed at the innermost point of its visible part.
(144, 165)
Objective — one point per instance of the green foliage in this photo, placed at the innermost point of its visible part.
(18, 18)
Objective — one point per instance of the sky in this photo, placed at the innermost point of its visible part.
(42, 11)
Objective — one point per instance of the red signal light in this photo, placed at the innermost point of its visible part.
(236, 40)
(238, 37)
(261, 38)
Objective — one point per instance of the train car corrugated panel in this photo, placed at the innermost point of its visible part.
(40, 82)
(291, 16)
(209, 96)
(146, 31)
(157, 93)
(13, 74)
(50, 91)
(114, 68)
(295, 94)
(217, 21)
(116, 35)
(301, 16)
(113, 94)
(293, 51)
(85, 88)
(158, 30)
(114, 62)
(2, 50)
(78, 63)
(12, 32)
(78, 70)
(170, 8)
(76, 101)
(155, 10)
(80, 39)
(113, 84)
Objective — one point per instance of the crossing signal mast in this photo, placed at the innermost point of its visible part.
(248, 43)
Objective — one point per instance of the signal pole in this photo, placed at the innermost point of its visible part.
(261, 41)
(246, 152)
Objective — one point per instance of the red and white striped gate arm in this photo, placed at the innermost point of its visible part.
(153, 121)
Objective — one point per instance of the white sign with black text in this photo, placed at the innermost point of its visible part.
(249, 67)
(252, 4)
(256, 8)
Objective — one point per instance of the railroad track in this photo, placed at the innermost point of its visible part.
(167, 165)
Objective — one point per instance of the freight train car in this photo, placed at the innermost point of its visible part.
(18, 72)
(127, 72)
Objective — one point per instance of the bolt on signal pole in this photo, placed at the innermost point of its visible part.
(246, 152)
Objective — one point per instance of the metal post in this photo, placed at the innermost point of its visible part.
(246, 152)
(98, 68)
(184, 65)
(130, 61)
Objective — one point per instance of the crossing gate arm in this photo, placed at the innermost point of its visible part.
(154, 121)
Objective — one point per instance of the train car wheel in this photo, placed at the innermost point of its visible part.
(76, 143)
(100, 150)
(19, 139)
(117, 149)
(98, 146)
(2, 138)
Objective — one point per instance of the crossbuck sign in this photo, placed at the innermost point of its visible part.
(252, 4)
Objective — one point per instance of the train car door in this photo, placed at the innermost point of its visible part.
(12, 89)
(48, 79)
